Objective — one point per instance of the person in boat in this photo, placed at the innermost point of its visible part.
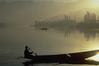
(27, 52)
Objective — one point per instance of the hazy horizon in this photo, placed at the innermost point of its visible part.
(27, 11)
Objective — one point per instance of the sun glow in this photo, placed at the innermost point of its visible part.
(96, 57)
(95, 3)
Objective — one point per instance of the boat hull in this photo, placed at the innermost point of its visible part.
(70, 58)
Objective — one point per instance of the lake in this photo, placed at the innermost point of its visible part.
(17, 16)
(13, 41)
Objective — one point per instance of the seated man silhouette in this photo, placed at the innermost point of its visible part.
(27, 53)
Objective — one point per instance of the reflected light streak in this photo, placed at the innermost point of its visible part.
(95, 57)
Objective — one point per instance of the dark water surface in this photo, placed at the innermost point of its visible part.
(13, 40)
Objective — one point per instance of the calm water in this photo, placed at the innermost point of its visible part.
(13, 40)
(18, 16)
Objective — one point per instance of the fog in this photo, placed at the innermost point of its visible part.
(26, 12)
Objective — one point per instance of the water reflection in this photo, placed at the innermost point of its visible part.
(28, 63)
(89, 34)
(86, 62)
(88, 29)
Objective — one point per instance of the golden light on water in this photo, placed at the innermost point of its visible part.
(95, 58)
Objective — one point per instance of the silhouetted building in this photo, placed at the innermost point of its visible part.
(86, 17)
(90, 17)
(67, 18)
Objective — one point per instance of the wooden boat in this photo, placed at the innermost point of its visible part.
(70, 58)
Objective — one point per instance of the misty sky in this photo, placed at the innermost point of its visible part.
(27, 11)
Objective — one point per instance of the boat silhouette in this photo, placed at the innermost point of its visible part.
(70, 58)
